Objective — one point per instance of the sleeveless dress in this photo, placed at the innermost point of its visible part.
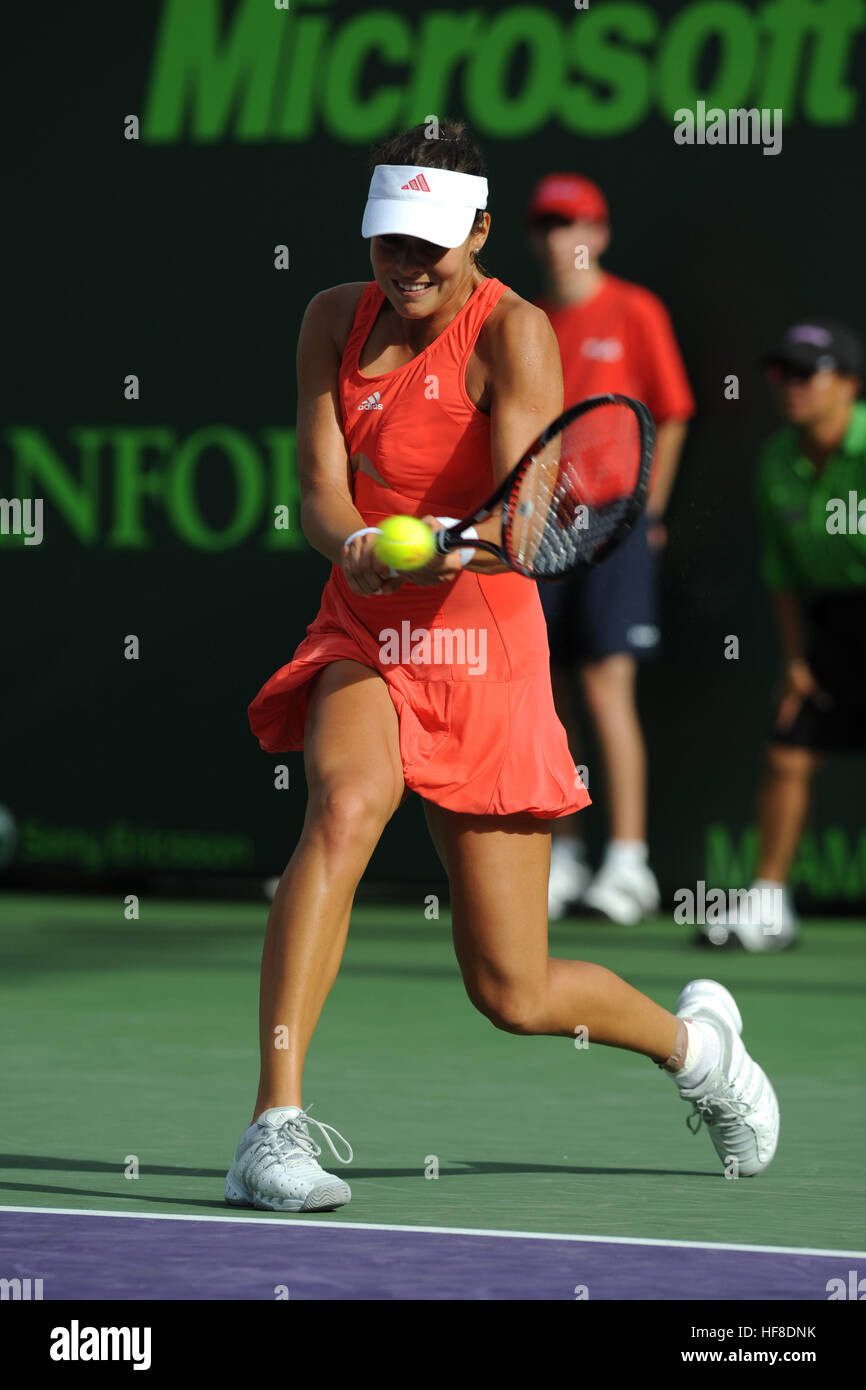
(466, 663)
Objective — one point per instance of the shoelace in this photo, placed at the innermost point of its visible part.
(292, 1133)
(714, 1108)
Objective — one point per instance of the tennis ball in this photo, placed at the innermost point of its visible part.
(405, 543)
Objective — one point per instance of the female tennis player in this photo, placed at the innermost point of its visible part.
(417, 392)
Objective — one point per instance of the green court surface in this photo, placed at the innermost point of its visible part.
(140, 1038)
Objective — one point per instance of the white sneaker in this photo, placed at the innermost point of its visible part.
(569, 879)
(698, 992)
(761, 919)
(624, 893)
(275, 1166)
(736, 1101)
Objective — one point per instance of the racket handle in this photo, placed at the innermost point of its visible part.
(469, 533)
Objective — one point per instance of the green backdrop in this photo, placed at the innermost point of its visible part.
(156, 163)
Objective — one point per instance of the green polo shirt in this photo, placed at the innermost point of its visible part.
(806, 544)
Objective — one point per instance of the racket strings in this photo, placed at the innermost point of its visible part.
(577, 492)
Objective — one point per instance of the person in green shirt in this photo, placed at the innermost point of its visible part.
(811, 503)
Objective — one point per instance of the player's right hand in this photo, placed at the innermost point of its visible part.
(365, 574)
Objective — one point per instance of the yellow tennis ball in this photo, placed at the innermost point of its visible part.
(405, 543)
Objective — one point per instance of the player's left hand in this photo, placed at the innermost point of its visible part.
(657, 533)
(441, 569)
(364, 571)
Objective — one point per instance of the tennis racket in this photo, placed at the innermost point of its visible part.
(574, 495)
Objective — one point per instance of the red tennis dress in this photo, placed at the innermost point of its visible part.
(466, 663)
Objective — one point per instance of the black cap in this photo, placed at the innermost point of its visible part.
(818, 345)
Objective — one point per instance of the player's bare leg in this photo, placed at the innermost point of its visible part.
(498, 869)
(783, 806)
(354, 786)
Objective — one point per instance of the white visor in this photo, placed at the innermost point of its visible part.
(435, 205)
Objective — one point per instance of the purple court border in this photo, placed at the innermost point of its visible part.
(89, 1255)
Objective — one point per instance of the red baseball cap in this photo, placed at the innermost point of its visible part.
(569, 196)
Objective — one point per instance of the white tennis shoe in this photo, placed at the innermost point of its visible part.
(275, 1166)
(736, 1101)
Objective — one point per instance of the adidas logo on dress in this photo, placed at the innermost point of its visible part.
(372, 402)
(419, 183)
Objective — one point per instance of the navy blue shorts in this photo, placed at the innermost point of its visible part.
(606, 610)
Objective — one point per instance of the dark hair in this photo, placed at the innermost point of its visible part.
(451, 148)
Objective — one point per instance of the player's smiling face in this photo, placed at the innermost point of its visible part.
(418, 276)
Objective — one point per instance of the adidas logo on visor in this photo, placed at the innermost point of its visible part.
(419, 183)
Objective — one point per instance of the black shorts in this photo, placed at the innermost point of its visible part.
(607, 610)
(836, 656)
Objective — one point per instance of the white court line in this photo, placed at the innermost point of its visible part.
(446, 1231)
